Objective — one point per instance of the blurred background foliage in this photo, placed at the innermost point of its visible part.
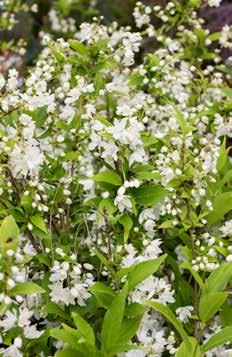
(20, 41)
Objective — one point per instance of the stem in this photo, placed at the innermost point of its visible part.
(195, 287)
(34, 242)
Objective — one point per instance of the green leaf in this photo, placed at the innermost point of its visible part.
(148, 195)
(38, 222)
(113, 321)
(84, 328)
(78, 47)
(26, 289)
(223, 155)
(227, 91)
(68, 335)
(67, 352)
(127, 223)
(227, 177)
(103, 294)
(9, 233)
(185, 127)
(214, 36)
(135, 309)
(219, 278)
(210, 304)
(52, 308)
(226, 315)
(168, 314)
(106, 206)
(147, 175)
(109, 177)
(220, 338)
(129, 328)
(189, 348)
(105, 261)
(221, 205)
(143, 270)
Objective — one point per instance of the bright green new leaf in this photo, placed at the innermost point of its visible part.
(143, 270)
(210, 304)
(221, 205)
(84, 328)
(127, 223)
(220, 338)
(103, 294)
(189, 348)
(78, 47)
(223, 156)
(9, 233)
(26, 289)
(109, 177)
(67, 335)
(219, 278)
(67, 352)
(112, 322)
(185, 127)
(38, 222)
(129, 328)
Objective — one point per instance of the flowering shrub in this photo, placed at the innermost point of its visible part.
(116, 192)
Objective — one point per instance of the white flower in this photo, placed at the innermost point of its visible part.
(59, 294)
(214, 3)
(9, 320)
(26, 159)
(11, 351)
(2, 81)
(80, 292)
(122, 201)
(184, 313)
(110, 151)
(226, 229)
(118, 130)
(24, 317)
(31, 332)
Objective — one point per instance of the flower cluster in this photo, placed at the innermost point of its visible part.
(115, 191)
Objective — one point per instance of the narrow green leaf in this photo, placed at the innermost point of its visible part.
(210, 304)
(113, 321)
(38, 222)
(185, 127)
(189, 348)
(105, 262)
(194, 273)
(168, 314)
(127, 223)
(219, 278)
(221, 205)
(143, 270)
(84, 328)
(68, 335)
(103, 294)
(220, 338)
(52, 308)
(78, 47)
(223, 155)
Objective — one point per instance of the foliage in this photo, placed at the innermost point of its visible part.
(115, 188)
